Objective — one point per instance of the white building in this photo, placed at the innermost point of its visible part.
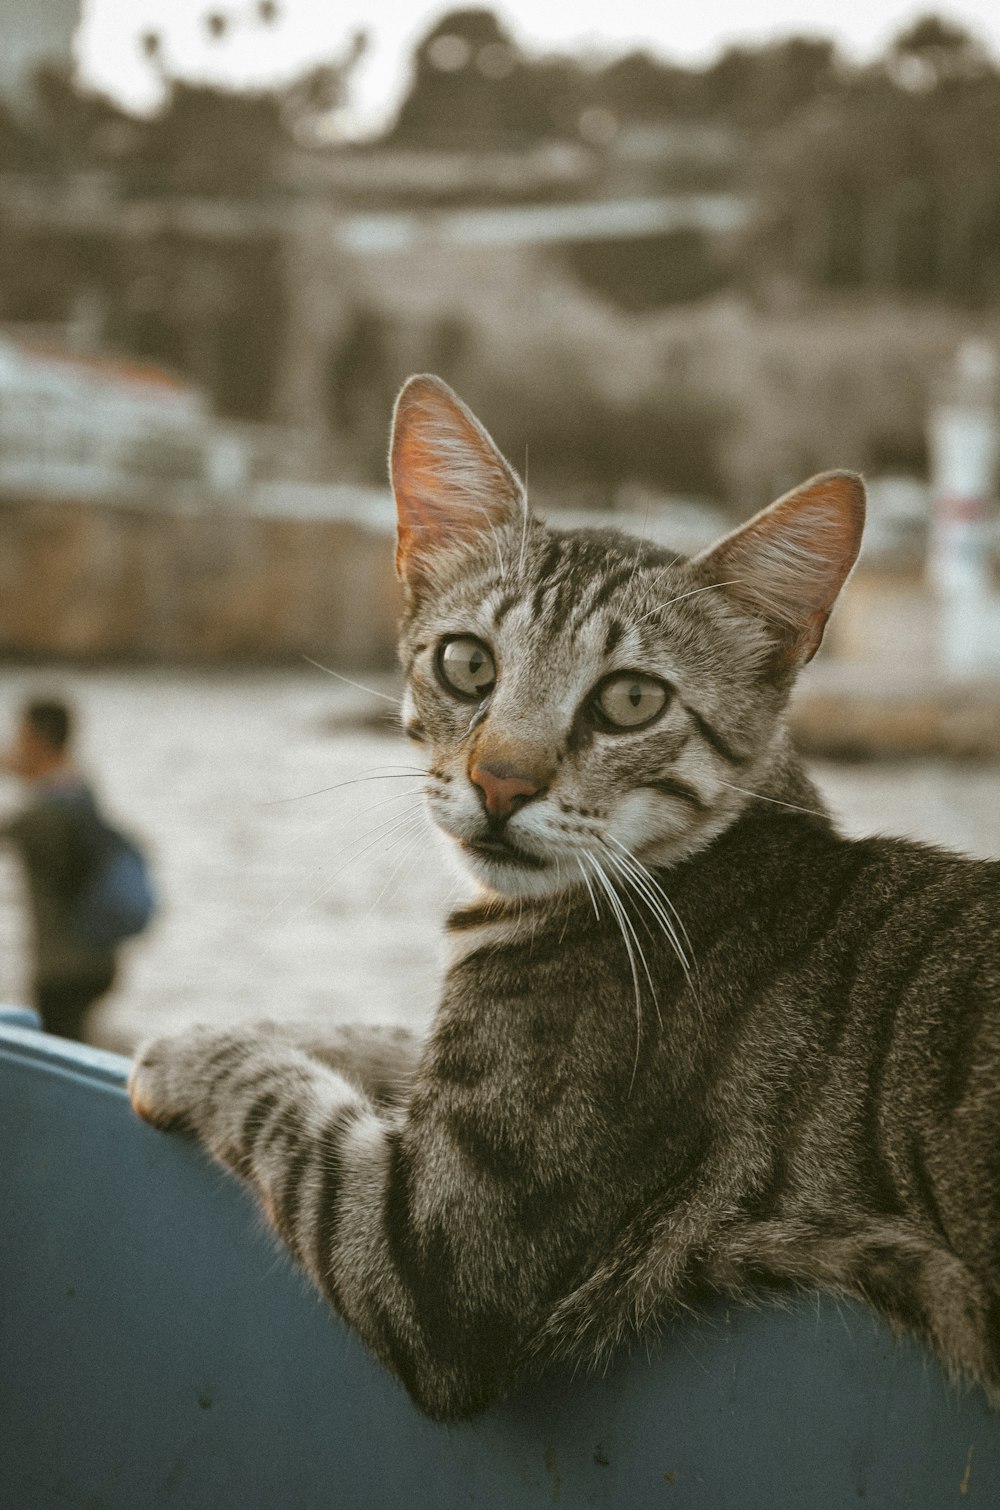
(73, 425)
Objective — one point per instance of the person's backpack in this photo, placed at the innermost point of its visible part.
(116, 898)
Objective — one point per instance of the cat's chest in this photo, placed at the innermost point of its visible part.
(496, 1041)
(539, 1025)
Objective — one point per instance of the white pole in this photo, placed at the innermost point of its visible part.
(964, 437)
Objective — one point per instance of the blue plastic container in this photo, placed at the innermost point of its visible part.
(157, 1348)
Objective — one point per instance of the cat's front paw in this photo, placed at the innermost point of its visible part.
(167, 1079)
(155, 1085)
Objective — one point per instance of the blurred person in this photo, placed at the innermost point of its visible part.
(88, 887)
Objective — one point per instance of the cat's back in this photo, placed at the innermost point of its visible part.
(789, 888)
(861, 1038)
(872, 962)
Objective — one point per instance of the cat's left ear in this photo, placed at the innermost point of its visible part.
(450, 481)
(787, 564)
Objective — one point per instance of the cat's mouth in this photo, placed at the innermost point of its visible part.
(502, 852)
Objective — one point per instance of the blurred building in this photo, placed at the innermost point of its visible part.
(636, 272)
(303, 302)
(71, 424)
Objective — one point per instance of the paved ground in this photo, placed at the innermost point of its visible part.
(278, 902)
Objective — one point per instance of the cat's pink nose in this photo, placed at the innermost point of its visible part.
(504, 788)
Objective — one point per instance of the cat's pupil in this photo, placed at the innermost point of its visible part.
(630, 701)
(466, 667)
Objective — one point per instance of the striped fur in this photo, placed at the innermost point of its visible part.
(691, 1038)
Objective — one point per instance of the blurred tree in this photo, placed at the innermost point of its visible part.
(71, 127)
(472, 87)
(212, 141)
(890, 178)
(19, 147)
(471, 84)
(765, 86)
(312, 105)
(361, 382)
(650, 271)
(640, 87)
(933, 51)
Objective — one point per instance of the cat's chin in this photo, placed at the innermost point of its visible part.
(506, 871)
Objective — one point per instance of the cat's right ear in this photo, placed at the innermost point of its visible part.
(787, 564)
(450, 481)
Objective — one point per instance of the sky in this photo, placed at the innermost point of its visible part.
(309, 30)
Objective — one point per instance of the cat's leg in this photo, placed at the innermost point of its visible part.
(381, 1059)
(914, 1281)
(408, 1232)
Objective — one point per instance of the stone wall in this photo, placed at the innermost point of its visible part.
(92, 581)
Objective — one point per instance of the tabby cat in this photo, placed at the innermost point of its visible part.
(690, 1038)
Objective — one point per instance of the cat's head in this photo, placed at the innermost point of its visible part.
(589, 699)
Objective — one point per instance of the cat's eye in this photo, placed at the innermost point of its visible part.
(466, 668)
(630, 700)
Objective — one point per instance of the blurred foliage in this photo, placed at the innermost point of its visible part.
(881, 179)
(650, 271)
(471, 88)
(204, 138)
(894, 180)
(882, 176)
(583, 444)
(473, 84)
(552, 410)
(210, 141)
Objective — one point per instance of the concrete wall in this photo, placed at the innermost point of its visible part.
(81, 580)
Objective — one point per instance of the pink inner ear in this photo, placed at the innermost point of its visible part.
(788, 563)
(450, 481)
(421, 493)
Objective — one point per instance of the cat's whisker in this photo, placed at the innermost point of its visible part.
(387, 773)
(373, 807)
(360, 686)
(630, 938)
(524, 517)
(813, 812)
(602, 880)
(640, 544)
(406, 825)
(628, 887)
(564, 896)
(635, 884)
(334, 818)
(712, 586)
(590, 889)
(661, 574)
(648, 889)
(658, 891)
(826, 1007)
(382, 829)
(410, 853)
(629, 883)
